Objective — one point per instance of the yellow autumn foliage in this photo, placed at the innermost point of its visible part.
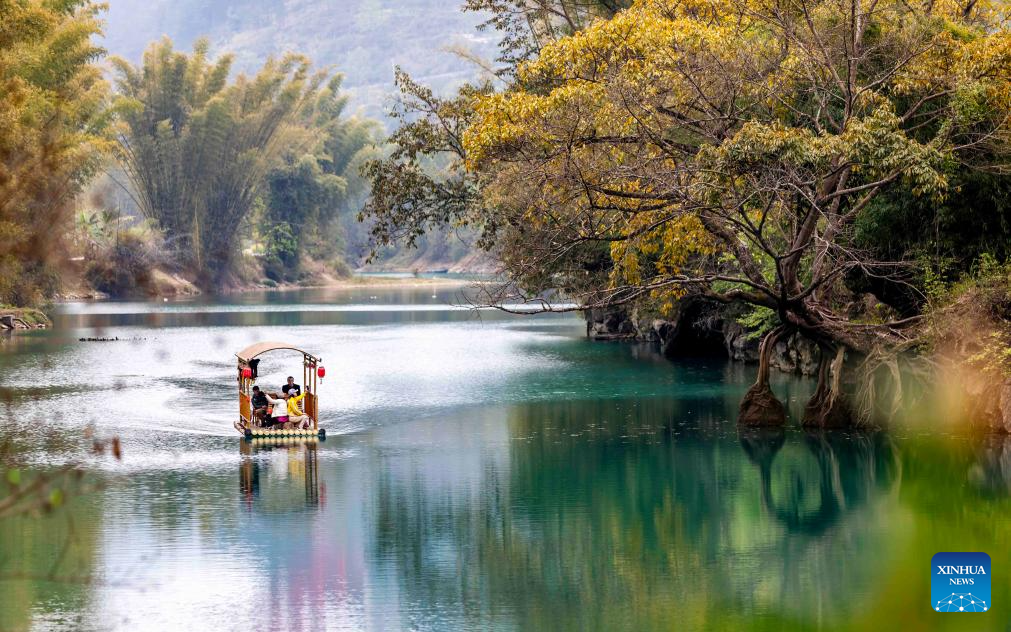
(692, 136)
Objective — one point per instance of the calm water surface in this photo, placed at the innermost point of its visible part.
(482, 472)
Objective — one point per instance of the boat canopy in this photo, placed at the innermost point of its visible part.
(259, 348)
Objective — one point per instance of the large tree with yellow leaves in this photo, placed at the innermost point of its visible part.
(727, 149)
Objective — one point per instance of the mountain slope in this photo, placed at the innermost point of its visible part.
(364, 39)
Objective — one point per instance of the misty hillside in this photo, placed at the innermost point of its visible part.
(364, 39)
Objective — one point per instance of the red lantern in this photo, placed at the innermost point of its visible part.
(247, 372)
(321, 372)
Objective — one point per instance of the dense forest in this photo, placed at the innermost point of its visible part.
(436, 42)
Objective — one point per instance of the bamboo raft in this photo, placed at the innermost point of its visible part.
(312, 372)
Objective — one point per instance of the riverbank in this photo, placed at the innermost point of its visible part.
(22, 318)
(163, 284)
(364, 280)
(359, 281)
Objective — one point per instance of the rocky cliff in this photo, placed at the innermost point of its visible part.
(697, 329)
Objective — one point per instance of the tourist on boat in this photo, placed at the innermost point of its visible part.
(296, 418)
(279, 414)
(259, 402)
(291, 386)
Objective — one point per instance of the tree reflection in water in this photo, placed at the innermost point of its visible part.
(992, 470)
(821, 476)
(640, 515)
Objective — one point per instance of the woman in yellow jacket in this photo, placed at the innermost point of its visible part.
(296, 418)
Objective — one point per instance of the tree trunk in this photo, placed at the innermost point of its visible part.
(760, 406)
(828, 407)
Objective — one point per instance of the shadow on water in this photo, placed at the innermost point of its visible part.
(259, 463)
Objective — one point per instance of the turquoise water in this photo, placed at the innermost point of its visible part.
(482, 472)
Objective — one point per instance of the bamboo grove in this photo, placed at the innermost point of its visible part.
(53, 121)
(201, 151)
(218, 163)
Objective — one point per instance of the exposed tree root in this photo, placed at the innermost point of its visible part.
(829, 407)
(885, 388)
(760, 406)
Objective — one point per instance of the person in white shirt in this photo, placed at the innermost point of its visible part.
(279, 412)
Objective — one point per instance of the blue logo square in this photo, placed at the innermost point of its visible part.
(960, 582)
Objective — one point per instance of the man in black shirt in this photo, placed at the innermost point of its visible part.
(293, 389)
(259, 404)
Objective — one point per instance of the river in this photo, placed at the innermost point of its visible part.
(482, 471)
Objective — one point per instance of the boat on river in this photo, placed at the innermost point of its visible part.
(312, 372)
